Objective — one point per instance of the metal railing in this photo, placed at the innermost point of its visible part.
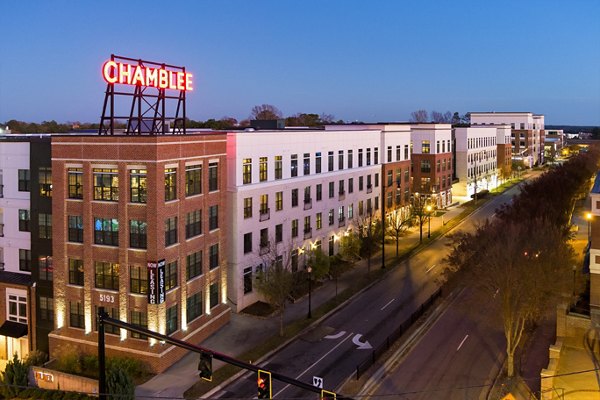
(307, 204)
(265, 214)
(307, 233)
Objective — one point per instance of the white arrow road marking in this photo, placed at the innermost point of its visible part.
(430, 268)
(315, 363)
(336, 336)
(390, 302)
(461, 343)
(361, 346)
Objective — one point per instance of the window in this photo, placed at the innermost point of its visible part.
(24, 260)
(307, 227)
(171, 275)
(45, 225)
(170, 231)
(213, 252)
(331, 189)
(278, 233)
(138, 189)
(75, 182)
(398, 153)
(278, 167)
(331, 240)
(279, 201)
(139, 319)
(264, 204)
(214, 295)
(319, 192)
(106, 184)
(294, 228)
(264, 238)
(425, 147)
(369, 156)
(75, 272)
(350, 185)
(138, 279)
(350, 160)
(193, 265)
(172, 319)
(307, 198)
(193, 307)
(137, 234)
(294, 165)
(376, 180)
(294, 197)
(213, 217)
(294, 260)
(106, 275)
(330, 217)
(247, 242)
(389, 154)
(262, 169)
(341, 190)
(170, 184)
(350, 211)
(75, 228)
(406, 175)
(248, 207)
(437, 146)
(45, 268)
(193, 180)
(376, 155)
(330, 161)
(318, 162)
(24, 220)
(425, 166)
(306, 163)
(193, 224)
(247, 280)
(76, 315)
(360, 183)
(106, 231)
(438, 165)
(319, 222)
(390, 177)
(360, 207)
(389, 200)
(24, 180)
(213, 174)
(113, 313)
(45, 180)
(341, 213)
(340, 159)
(46, 307)
(369, 182)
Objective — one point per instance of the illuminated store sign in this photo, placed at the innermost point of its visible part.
(156, 282)
(140, 75)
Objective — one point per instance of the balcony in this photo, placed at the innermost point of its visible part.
(307, 233)
(264, 248)
(265, 214)
(341, 222)
(369, 188)
(1, 191)
(307, 204)
(341, 195)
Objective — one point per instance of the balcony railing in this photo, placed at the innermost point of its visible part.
(369, 188)
(341, 195)
(1, 230)
(307, 204)
(308, 233)
(264, 248)
(1, 191)
(341, 222)
(265, 214)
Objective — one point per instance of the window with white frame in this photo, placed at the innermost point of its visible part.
(17, 306)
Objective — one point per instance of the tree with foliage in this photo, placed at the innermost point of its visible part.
(368, 231)
(419, 116)
(419, 212)
(276, 281)
(119, 384)
(397, 225)
(265, 111)
(14, 378)
(319, 263)
(349, 250)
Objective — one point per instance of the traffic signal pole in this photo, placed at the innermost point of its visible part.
(103, 318)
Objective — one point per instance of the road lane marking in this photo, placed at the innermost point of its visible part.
(461, 343)
(361, 346)
(336, 336)
(430, 268)
(389, 302)
(315, 363)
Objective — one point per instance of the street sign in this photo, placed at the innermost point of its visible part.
(318, 382)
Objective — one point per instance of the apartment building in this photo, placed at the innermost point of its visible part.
(476, 159)
(527, 130)
(594, 252)
(292, 191)
(26, 315)
(139, 228)
(432, 162)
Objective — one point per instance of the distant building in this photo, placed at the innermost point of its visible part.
(553, 143)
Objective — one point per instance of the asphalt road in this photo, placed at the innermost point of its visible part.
(333, 348)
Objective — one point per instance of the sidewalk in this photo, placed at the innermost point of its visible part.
(245, 332)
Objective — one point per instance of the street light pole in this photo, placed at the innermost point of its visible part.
(588, 217)
(428, 208)
(309, 269)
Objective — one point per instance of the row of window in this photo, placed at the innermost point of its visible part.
(106, 183)
(194, 309)
(441, 165)
(441, 146)
(348, 157)
(473, 143)
(44, 223)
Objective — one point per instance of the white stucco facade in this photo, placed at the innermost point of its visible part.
(476, 158)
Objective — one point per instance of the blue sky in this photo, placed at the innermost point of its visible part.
(358, 60)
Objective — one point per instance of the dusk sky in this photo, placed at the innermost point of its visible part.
(358, 60)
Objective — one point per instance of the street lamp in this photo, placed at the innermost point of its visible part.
(309, 270)
(428, 208)
(588, 217)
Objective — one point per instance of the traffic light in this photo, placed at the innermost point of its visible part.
(264, 384)
(325, 394)
(205, 366)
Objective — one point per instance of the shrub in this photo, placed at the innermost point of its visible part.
(119, 384)
(68, 359)
(36, 358)
(14, 378)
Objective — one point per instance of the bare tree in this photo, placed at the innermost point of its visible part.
(275, 282)
(265, 111)
(438, 117)
(397, 225)
(524, 267)
(419, 116)
(368, 231)
(419, 211)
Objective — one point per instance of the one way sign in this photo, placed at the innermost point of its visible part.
(318, 382)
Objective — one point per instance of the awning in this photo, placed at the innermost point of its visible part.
(13, 329)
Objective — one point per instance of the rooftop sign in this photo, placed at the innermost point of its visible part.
(140, 75)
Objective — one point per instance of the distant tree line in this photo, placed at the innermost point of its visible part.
(440, 118)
